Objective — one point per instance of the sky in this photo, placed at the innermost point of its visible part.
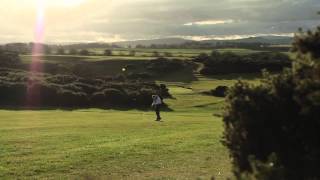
(63, 21)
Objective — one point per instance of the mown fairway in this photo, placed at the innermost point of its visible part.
(110, 145)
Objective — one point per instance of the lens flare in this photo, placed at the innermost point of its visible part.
(39, 32)
(36, 67)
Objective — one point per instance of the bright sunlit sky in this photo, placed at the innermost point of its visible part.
(117, 20)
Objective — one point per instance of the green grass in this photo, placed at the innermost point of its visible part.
(190, 98)
(112, 144)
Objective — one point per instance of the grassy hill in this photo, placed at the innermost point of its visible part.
(273, 40)
(168, 41)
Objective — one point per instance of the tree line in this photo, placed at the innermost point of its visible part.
(228, 62)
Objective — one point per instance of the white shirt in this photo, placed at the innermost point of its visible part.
(156, 101)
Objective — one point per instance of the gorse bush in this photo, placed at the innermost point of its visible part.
(84, 52)
(219, 91)
(73, 51)
(228, 62)
(279, 118)
(9, 59)
(22, 89)
(308, 43)
(269, 169)
(164, 65)
(108, 52)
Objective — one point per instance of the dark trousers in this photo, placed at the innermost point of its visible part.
(157, 109)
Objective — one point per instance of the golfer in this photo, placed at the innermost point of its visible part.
(156, 104)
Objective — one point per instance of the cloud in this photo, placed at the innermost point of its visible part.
(209, 22)
(109, 20)
(84, 36)
(231, 37)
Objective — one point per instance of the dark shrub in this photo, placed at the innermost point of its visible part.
(23, 89)
(9, 59)
(164, 91)
(73, 51)
(12, 93)
(143, 75)
(115, 96)
(50, 95)
(84, 52)
(220, 91)
(67, 98)
(279, 118)
(155, 54)
(109, 97)
(107, 52)
(227, 63)
(132, 53)
(163, 65)
(91, 81)
(168, 54)
(71, 87)
(308, 43)
(144, 97)
(202, 58)
(87, 88)
(62, 79)
(61, 51)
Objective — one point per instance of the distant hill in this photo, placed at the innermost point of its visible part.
(274, 40)
(167, 41)
(90, 45)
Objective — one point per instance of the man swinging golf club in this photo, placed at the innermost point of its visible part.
(156, 104)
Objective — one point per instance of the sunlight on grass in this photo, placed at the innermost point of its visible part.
(43, 144)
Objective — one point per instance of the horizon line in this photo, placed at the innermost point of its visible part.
(187, 38)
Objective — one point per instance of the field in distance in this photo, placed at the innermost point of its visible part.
(97, 54)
